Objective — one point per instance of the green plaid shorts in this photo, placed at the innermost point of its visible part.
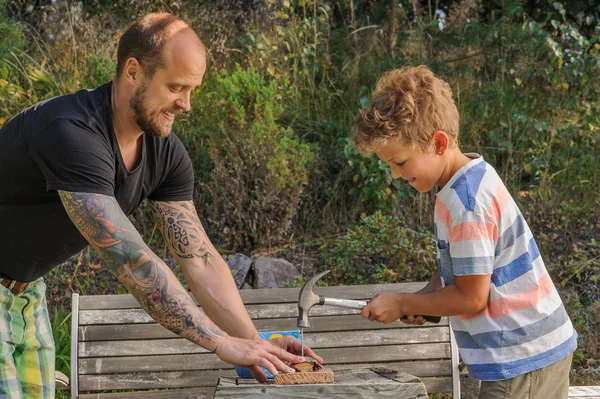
(26, 344)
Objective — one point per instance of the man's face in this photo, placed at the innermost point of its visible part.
(165, 94)
(421, 169)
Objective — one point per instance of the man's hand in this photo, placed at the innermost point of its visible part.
(292, 345)
(255, 353)
(384, 307)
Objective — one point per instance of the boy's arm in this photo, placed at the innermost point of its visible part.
(434, 284)
(469, 294)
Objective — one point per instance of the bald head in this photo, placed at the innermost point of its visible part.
(147, 40)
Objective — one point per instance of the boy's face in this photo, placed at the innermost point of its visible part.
(421, 169)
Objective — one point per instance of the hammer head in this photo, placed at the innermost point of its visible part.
(307, 299)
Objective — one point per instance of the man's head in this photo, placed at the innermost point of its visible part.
(160, 61)
(410, 124)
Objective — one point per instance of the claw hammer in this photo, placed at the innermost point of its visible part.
(307, 299)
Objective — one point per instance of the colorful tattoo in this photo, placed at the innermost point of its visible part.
(101, 221)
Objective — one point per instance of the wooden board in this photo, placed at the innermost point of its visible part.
(200, 361)
(584, 392)
(324, 376)
(317, 324)
(341, 339)
(426, 370)
(261, 296)
(355, 383)
(193, 393)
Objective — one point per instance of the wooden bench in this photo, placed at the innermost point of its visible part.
(117, 347)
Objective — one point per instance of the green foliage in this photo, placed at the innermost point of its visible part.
(11, 32)
(372, 181)
(381, 249)
(61, 330)
(258, 166)
(99, 71)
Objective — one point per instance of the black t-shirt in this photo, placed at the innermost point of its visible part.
(68, 143)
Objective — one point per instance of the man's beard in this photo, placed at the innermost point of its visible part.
(143, 117)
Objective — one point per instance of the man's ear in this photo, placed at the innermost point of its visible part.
(440, 141)
(132, 71)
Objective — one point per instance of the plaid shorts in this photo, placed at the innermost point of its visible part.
(26, 344)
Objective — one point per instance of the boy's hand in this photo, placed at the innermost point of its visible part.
(384, 307)
(413, 320)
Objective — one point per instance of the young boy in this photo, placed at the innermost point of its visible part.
(510, 324)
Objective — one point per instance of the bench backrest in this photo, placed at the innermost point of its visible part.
(117, 346)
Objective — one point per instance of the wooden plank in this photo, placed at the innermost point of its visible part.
(176, 379)
(208, 393)
(258, 296)
(205, 361)
(173, 379)
(191, 393)
(585, 392)
(349, 339)
(350, 383)
(437, 384)
(273, 311)
(318, 324)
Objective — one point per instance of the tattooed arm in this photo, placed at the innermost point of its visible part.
(206, 272)
(101, 221)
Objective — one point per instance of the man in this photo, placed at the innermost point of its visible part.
(97, 154)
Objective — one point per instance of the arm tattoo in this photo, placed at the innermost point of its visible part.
(182, 230)
(101, 221)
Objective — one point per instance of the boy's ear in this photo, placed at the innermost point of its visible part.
(440, 141)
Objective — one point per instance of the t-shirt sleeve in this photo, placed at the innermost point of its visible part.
(178, 181)
(472, 241)
(72, 157)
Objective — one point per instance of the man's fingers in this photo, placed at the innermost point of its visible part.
(309, 352)
(257, 373)
(279, 365)
(284, 355)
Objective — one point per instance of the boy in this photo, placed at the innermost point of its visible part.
(510, 324)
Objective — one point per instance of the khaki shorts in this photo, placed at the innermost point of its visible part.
(549, 382)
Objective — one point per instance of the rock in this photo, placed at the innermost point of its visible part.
(239, 265)
(271, 273)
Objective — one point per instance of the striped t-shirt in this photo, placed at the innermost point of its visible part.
(480, 230)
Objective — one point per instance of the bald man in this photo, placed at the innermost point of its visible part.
(73, 167)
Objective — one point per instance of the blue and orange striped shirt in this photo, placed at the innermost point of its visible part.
(480, 230)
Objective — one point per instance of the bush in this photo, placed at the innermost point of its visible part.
(381, 249)
(259, 167)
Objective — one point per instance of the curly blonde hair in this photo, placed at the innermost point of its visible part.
(408, 105)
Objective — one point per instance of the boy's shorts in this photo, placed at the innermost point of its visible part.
(26, 344)
(549, 382)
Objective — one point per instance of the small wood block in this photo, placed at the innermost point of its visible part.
(325, 376)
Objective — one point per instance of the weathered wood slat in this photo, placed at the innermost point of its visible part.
(340, 339)
(584, 392)
(437, 384)
(205, 361)
(267, 295)
(274, 311)
(318, 324)
(192, 393)
(432, 384)
(177, 379)
(350, 383)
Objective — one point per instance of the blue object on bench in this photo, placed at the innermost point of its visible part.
(245, 372)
